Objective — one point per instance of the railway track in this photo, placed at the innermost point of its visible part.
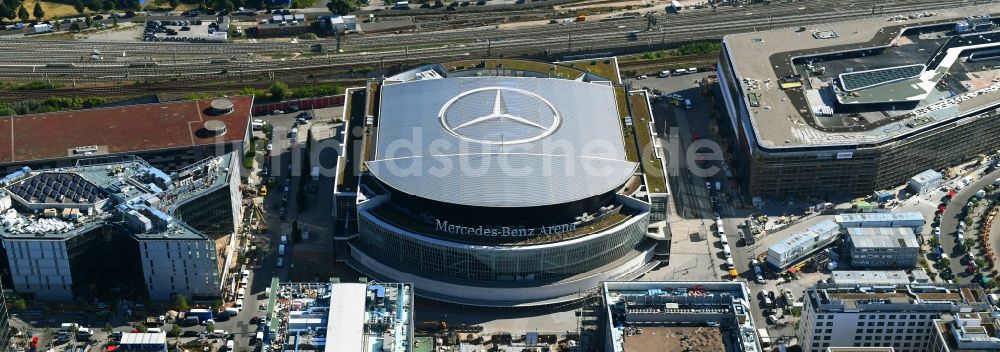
(152, 61)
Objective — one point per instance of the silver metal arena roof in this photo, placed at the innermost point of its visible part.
(500, 141)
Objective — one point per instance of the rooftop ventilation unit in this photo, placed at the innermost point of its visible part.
(214, 128)
(85, 149)
(221, 107)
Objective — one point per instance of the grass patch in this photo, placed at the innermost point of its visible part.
(54, 9)
(631, 152)
(601, 67)
(651, 165)
(316, 90)
(553, 70)
(50, 104)
(53, 36)
(33, 85)
(700, 48)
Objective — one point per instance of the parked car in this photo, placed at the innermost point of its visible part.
(789, 298)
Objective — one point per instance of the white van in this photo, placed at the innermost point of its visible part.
(281, 249)
(730, 264)
(239, 304)
(230, 345)
(724, 240)
(232, 312)
(219, 333)
(693, 70)
(241, 293)
(154, 330)
(664, 74)
(284, 239)
(726, 251)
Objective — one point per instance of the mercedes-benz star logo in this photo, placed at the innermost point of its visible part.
(500, 112)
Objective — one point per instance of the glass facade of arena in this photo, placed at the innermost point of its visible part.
(460, 262)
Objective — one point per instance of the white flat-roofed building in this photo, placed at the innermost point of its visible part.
(911, 219)
(966, 331)
(882, 247)
(869, 278)
(798, 246)
(347, 317)
(881, 315)
(143, 342)
(925, 181)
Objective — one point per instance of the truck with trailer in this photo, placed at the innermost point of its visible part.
(202, 314)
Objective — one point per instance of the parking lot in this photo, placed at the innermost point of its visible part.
(194, 30)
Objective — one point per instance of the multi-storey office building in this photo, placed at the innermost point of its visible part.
(515, 188)
(881, 247)
(117, 225)
(168, 135)
(966, 331)
(897, 316)
(678, 316)
(852, 107)
(339, 317)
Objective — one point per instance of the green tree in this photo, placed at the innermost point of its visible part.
(280, 91)
(38, 11)
(216, 305)
(114, 21)
(75, 27)
(210, 328)
(108, 5)
(256, 4)
(981, 263)
(78, 5)
(57, 23)
(968, 243)
(108, 329)
(141, 327)
(935, 242)
(89, 21)
(175, 330)
(22, 13)
(341, 7)
(173, 3)
(945, 262)
(20, 304)
(181, 302)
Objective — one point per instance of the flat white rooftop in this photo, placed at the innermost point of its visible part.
(345, 327)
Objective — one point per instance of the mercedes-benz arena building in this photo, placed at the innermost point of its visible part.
(500, 191)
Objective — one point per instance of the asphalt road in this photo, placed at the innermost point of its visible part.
(949, 225)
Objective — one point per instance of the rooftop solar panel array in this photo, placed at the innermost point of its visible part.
(58, 188)
(852, 81)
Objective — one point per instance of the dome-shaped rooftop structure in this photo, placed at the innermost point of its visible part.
(214, 128)
(221, 106)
